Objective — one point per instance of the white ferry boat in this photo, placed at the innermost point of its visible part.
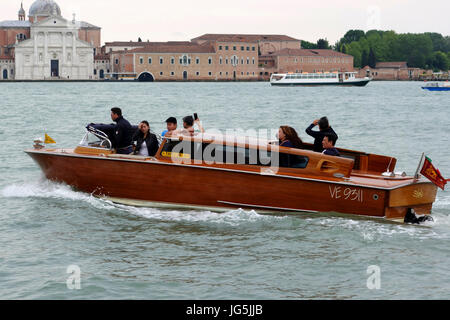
(318, 78)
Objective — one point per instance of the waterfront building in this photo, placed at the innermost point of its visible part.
(392, 71)
(305, 60)
(47, 46)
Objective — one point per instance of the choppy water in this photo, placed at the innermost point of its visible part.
(143, 253)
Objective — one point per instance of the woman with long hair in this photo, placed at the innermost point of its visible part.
(146, 142)
(289, 138)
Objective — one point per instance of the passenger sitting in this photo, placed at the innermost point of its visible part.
(324, 128)
(188, 125)
(328, 143)
(288, 137)
(171, 126)
(146, 142)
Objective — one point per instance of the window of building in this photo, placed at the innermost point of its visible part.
(253, 61)
(172, 73)
(234, 48)
(253, 48)
(242, 48)
(242, 60)
(226, 61)
(226, 47)
(220, 60)
(209, 60)
(220, 47)
(210, 73)
(161, 61)
(248, 60)
(197, 60)
(197, 73)
(149, 60)
(141, 60)
(248, 48)
(172, 60)
(161, 73)
(95, 72)
(21, 36)
(117, 61)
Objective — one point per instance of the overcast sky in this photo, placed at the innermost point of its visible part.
(307, 20)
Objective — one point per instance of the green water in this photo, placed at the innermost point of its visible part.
(145, 253)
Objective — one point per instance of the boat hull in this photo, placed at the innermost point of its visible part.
(436, 88)
(146, 183)
(361, 83)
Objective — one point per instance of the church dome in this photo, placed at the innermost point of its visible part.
(44, 8)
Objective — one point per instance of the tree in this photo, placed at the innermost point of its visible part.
(354, 49)
(308, 45)
(372, 59)
(139, 40)
(364, 58)
(323, 44)
(440, 61)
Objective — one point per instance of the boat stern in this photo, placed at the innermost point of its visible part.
(414, 198)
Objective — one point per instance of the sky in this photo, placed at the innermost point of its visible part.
(182, 20)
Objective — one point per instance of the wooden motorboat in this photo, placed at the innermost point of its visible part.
(223, 172)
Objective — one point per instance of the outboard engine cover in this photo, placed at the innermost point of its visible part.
(411, 217)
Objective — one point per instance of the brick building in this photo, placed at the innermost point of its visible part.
(392, 71)
(304, 60)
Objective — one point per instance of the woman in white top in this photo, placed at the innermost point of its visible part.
(146, 143)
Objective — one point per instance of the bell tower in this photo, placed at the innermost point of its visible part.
(21, 13)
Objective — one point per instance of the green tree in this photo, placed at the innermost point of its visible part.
(354, 49)
(440, 61)
(308, 45)
(372, 58)
(323, 44)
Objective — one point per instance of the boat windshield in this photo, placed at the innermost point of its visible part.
(95, 139)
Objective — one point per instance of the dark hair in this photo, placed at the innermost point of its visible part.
(117, 111)
(172, 120)
(292, 136)
(146, 122)
(323, 123)
(189, 120)
(331, 137)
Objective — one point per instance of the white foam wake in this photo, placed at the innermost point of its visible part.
(47, 189)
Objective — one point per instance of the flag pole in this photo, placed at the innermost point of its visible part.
(416, 176)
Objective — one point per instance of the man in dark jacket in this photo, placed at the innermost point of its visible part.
(318, 136)
(123, 132)
(328, 145)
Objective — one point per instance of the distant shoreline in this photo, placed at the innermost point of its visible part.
(184, 81)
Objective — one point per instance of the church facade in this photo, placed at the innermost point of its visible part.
(47, 46)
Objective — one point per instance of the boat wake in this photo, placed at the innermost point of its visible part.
(46, 189)
(51, 190)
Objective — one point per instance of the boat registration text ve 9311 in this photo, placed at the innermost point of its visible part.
(352, 194)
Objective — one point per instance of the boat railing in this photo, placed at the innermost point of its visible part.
(95, 138)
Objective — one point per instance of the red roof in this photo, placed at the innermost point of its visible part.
(244, 37)
(174, 47)
(395, 65)
(310, 53)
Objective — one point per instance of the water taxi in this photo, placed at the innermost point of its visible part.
(318, 78)
(219, 173)
(436, 86)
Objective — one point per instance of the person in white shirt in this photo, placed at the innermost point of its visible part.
(146, 143)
